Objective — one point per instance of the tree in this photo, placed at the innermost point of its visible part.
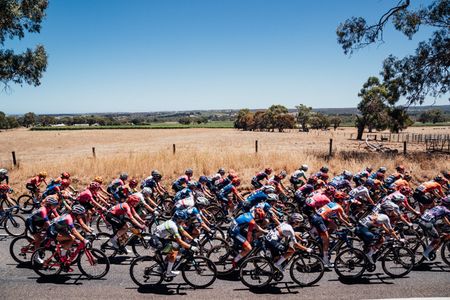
(185, 120)
(273, 113)
(47, 120)
(398, 119)
(3, 121)
(284, 121)
(241, 119)
(426, 72)
(432, 116)
(336, 121)
(261, 121)
(16, 18)
(303, 115)
(29, 119)
(12, 122)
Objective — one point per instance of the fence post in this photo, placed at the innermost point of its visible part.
(174, 149)
(14, 158)
(404, 147)
(93, 152)
(256, 146)
(331, 148)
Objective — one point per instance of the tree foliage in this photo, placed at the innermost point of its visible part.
(276, 117)
(8, 122)
(16, 18)
(303, 115)
(432, 116)
(426, 72)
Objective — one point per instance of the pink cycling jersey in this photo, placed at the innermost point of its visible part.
(122, 209)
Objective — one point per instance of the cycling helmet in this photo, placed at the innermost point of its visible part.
(268, 171)
(78, 210)
(42, 174)
(397, 198)
(282, 174)
(221, 171)
(446, 174)
(236, 181)
(268, 189)
(123, 176)
(330, 191)
(382, 170)
(347, 174)
(133, 183)
(272, 197)
(156, 175)
(4, 188)
(202, 201)
(407, 177)
(98, 179)
(65, 175)
(94, 185)
(180, 215)
(3, 172)
(203, 179)
(189, 172)
(439, 179)
(65, 183)
(51, 201)
(406, 191)
(303, 168)
(147, 191)
(259, 213)
(133, 199)
(446, 201)
(296, 217)
(324, 169)
(400, 168)
(380, 175)
(369, 169)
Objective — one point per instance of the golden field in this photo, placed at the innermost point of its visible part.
(205, 150)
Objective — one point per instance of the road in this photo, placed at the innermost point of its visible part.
(20, 282)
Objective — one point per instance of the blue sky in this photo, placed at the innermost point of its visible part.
(154, 55)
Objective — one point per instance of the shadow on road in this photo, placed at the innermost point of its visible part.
(65, 279)
(375, 278)
(234, 276)
(279, 288)
(166, 289)
(432, 267)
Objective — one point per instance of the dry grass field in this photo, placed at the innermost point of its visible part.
(205, 150)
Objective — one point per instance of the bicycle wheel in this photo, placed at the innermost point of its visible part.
(222, 257)
(397, 261)
(146, 271)
(306, 269)
(5, 204)
(350, 264)
(256, 272)
(417, 247)
(21, 249)
(445, 252)
(141, 245)
(26, 203)
(103, 243)
(93, 263)
(45, 263)
(208, 243)
(199, 272)
(15, 225)
(103, 225)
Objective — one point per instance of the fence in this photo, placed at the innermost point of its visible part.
(404, 137)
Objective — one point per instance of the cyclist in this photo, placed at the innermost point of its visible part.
(402, 182)
(40, 219)
(195, 219)
(116, 217)
(87, 199)
(102, 193)
(302, 193)
(360, 177)
(185, 198)
(257, 196)
(245, 222)
(168, 238)
(4, 176)
(361, 193)
(207, 186)
(154, 182)
(298, 178)
(379, 173)
(230, 189)
(4, 191)
(322, 174)
(427, 191)
(342, 182)
(276, 181)
(63, 230)
(182, 181)
(264, 175)
(427, 221)
(33, 183)
(285, 231)
(116, 183)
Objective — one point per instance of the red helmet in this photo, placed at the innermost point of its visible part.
(4, 188)
(236, 181)
(65, 175)
(94, 186)
(259, 213)
(406, 191)
(65, 183)
(268, 171)
(133, 183)
(133, 199)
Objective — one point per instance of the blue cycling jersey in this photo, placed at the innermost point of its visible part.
(256, 197)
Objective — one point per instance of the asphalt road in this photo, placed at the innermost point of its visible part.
(20, 282)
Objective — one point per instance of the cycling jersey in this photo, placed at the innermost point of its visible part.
(340, 183)
(360, 193)
(435, 213)
(62, 224)
(261, 176)
(52, 189)
(256, 197)
(184, 193)
(194, 214)
(400, 183)
(149, 182)
(122, 209)
(284, 230)
(395, 197)
(85, 196)
(375, 220)
(330, 210)
(428, 187)
(317, 200)
(224, 192)
(114, 185)
(40, 216)
(168, 230)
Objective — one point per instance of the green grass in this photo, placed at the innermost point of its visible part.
(213, 124)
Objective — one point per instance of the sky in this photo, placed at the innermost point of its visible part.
(164, 55)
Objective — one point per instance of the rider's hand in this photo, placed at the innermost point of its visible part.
(194, 249)
(104, 209)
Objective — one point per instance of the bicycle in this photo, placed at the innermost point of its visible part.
(8, 202)
(29, 202)
(396, 260)
(197, 271)
(14, 225)
(138, 240)
(48, 261)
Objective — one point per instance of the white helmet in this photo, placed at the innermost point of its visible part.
(304, 168)
(147, 191)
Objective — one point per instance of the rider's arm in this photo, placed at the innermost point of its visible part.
(136, 216)
(83, 225)
(390, 230)
(343, 218)
(446, 221)
(75, 232)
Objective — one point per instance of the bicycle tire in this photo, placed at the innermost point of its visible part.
(93, 257)
(102, 225)
(15, 225)
(348, 260)
(417, 247)
(208, 243)
(11, 203)
(307, 264)
(197, 266)
(394, 253)
(27, 205)
(103, 243)
(55, 268)
(259, 268)
(140, 245)
(222, 257)
(445, 252)
(144, 268)
(20, 247)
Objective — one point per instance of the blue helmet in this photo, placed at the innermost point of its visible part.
(180, 215)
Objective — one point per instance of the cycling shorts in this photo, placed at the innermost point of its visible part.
(117, 222)
(319, 223)
(32, 187)
(366, 235)
(429, 229)
(422, 198)
(256, 184)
